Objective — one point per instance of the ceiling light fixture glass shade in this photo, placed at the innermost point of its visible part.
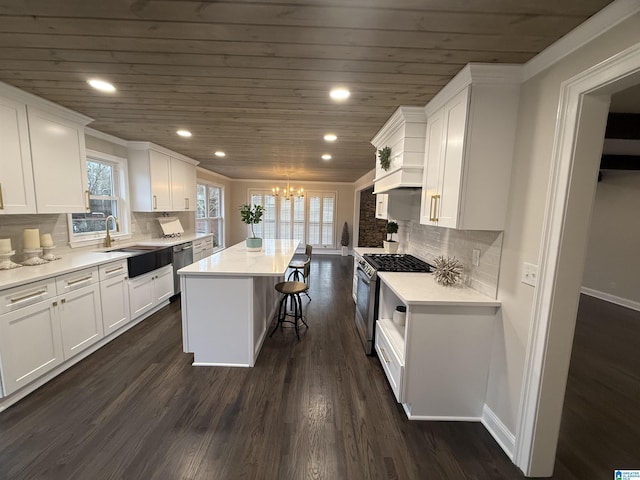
(288, 192)
(330, 137)
(101, 85)
(326, 156)
(220, 154)
(184, 133)
(340, 93)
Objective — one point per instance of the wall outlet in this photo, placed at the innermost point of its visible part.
(530, 274)
(476, 257)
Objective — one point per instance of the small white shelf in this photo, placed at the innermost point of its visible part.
(395, 333)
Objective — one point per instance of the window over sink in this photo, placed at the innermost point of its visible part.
(210, 212)
(107, 192)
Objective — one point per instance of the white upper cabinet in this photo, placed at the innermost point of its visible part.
(160, 180)
(183, 185)
(404, 134)
(471, 126)
(16, 175)
(43, 167)
(59, 163)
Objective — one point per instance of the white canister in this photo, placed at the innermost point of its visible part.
(400, 315)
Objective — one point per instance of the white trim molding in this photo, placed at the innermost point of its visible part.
(607, 297)
(601, 22)
(498, 431)
(92, 132)
(605, 78)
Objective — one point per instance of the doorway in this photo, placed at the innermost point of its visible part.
(584, 105)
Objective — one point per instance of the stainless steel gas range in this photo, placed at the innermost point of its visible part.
(368, 289)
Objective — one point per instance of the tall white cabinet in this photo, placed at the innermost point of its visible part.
(43, 167)
(160, 180)
(17, 194)
(469, 145)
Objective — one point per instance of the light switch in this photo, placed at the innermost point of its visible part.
(476, 257)
(530, 274)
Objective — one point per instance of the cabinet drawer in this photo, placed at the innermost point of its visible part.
(76, 280)
(113, 269)
(24, 295)
(393, 367)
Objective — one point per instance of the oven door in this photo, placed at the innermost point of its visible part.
(365, 304)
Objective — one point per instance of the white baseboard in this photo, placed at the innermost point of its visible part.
(498, 431)
(607, 297)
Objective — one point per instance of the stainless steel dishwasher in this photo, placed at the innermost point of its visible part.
(182, 256)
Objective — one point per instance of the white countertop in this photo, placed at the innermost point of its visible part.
(422, 289)
(69, 262)
(272, 260)
(366, 250)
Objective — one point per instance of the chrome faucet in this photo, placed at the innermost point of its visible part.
(107, 239)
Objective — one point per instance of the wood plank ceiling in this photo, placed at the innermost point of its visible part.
(251, 77)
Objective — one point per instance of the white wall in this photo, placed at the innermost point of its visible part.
(529, 185)
(613, 260)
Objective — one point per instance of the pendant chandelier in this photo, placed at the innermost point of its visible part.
(288, 192)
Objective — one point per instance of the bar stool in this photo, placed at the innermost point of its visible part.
(301, 266)
(290, 290)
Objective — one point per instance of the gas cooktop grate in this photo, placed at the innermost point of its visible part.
(392, 262)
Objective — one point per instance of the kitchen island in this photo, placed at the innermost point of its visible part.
(228, 301)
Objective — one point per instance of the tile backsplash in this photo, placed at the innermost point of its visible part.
(143, 225)
(428, 242)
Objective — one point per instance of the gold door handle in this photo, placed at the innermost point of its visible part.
(431, 218)
(1, 198)
(155, 202)
(435, 210)
(186, 203)
(384, 355)
(88, 206)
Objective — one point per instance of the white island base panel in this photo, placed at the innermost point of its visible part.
(228, 318)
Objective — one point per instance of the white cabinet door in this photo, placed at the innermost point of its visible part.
(431, 172)
(183, 185)
(141, 294)
(163, 284)
(114, 294)
(59, 164)
(80, 319)
(30, 344)
(16, 175)
(160, 172)
(382, 200)
(450, 177)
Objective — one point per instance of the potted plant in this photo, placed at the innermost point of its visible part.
(390, 245)
(344, 240)
(252, 216)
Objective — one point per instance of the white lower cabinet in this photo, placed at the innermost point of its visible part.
(80, 319)
(30, 344)
(149, 290)
(437, 363)
(114, 294)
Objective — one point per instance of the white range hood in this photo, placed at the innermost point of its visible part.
(404, 133)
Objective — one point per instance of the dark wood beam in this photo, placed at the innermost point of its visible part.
(623, 125)
(620, 162)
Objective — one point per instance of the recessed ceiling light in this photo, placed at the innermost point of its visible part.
(340, 94)
(184, 133)
(330, 137)
(101, 85)
(326, 156)
(220, 153)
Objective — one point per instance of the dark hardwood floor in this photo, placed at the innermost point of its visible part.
(600, 429)
(317, 408)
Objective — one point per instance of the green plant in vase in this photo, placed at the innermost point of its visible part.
(252, 216)
(390, 245)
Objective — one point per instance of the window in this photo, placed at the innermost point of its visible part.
(106, 180)
(290, 219)
(210, 212)
(321, 224)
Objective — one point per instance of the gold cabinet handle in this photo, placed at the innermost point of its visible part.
(109, 272)
(88, 206)
(155, 202)
(63, 301)
(435, 210)
(55, 304)
(29, 296)
(1, 198)
(186, 203)
(431, 218)
(384, 356)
